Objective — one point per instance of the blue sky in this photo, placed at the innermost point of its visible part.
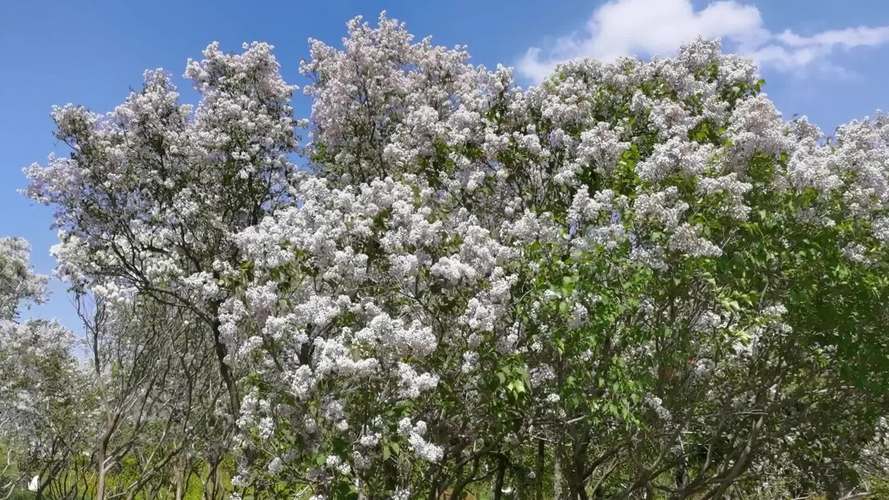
(828, 60)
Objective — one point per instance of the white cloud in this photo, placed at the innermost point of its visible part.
(659, 27)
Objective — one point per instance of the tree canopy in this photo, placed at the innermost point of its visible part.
(634, 280)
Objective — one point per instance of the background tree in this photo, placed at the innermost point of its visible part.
(157, 400)
(43, 401)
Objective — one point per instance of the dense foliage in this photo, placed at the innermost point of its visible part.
(633, 280)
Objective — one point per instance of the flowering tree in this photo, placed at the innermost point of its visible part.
(152, 193)
(635, 279)
(39, 381)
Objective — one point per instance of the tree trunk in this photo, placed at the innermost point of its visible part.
(100, 477)
(501, 473)
(577, 474)
(181, 476)
(225, 371)
(541, 458)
